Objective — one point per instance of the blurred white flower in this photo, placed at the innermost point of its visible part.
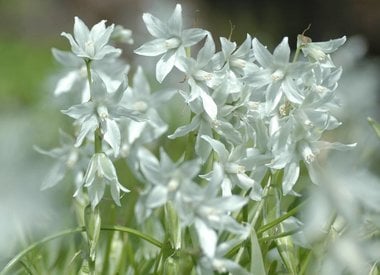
(102, 111)
(171, 40)
(91, 44)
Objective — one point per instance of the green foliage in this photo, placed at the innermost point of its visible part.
(24, 68)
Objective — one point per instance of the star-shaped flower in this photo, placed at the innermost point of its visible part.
(100, 172)
(277, 74)
(102, 111)
(91, 44)
(319, 51)
(171, 40)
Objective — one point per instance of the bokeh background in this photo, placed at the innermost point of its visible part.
(29, 115)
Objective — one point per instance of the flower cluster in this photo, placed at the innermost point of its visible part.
(256, 117)
(266, 111)
(253, 112)
(102, 112)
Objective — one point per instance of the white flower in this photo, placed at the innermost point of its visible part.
(102, 111)
(122, 35)
(101, 172)
(319, 51)
(277, 74)
(170, 41)
(165, 177)
(91, 44)
(74, 75)
(140, 98)
(236, 59)
(234, 170)
(68, 159)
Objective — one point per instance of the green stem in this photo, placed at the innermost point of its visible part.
(188, 52)
(133, 232)
(63, 233)
(88, 67)
(259, 207)
(280, 219)
(98, 141)
(305, 263)
(296, 54)
(284, 234)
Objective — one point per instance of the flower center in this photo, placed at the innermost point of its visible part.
(278, 75)
(317, 54)
(215, 124)
(320, 89)
(219, 266)
(124, 150)
(89, 47)
(203, 76)
(173, 185)
(238, 62)
(285, 109)
(234, 168)
(253, 105)
(172, 43)
(140, 106)
(72, 159)
(102, 112)
(306, 152)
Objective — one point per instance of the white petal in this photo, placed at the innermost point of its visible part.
(175, 21)
(227, 47)
(207, 238)
(81, 32)
(192, 36)
(54, 176)
(89, 126)
(80, 110)
(112, 136)
(209, 105)
(291, 174)
(165, 65)
(77, 50)
(152, 48)
(96, 192)
(207, 52)
(140, 83)
(155, 26)
(184, 130)
(100, 34)
(68, 59)
(157, 197)
(66, 83)
(282, 52)
(218, 147)
(261, 53)
(273, 96)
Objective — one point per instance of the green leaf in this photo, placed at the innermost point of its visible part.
(375, 125)
(257, 262)
(287, 250)
(272, 212)
(115, 253)
(374, 270)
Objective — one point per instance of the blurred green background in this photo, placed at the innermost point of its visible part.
(29, 115)
(28, 29)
